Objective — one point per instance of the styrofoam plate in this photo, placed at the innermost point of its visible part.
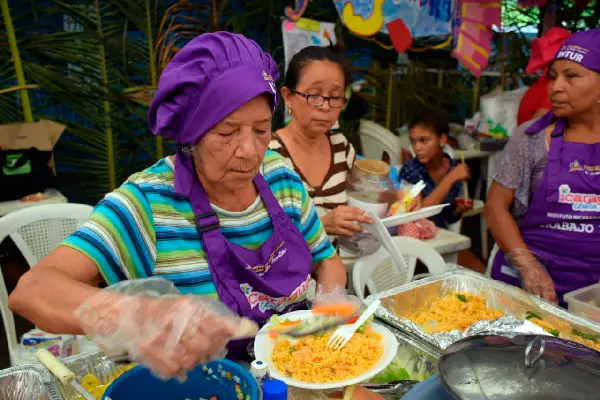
(263, 347)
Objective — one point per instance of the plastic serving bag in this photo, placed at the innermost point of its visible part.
(499, 110)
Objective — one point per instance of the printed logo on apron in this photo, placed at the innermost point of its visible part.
(265, 302)
(579, 201)
(576, 166)
(262, 269)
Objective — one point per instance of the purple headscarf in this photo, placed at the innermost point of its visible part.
(582, 48)
(211, 77)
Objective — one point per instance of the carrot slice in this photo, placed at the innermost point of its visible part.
(289, 323)
(273, 335)
(344, 310)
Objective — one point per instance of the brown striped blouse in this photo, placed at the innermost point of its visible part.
(332, 192)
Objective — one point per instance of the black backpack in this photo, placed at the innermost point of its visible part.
(24, 172)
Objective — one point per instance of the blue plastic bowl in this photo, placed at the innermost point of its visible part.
(431, 388)
(217, 378)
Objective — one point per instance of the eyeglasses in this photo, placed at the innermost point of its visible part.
(317, 100)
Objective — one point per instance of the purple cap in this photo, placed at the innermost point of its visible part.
(211, 77)
(582, 47)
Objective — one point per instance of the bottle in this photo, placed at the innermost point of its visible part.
(259, 371)
(275, 390)
(368, 185)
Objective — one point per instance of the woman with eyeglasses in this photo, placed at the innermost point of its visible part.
(314, 93)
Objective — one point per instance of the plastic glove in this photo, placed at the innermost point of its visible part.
(165, 331)
(534, 277)
(337, 296)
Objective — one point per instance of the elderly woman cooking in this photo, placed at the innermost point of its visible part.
(223, 218)
(543, 207)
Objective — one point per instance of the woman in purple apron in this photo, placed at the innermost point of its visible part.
(553, 246)
(231, 72)
(216, 100)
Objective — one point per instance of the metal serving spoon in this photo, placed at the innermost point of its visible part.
(395, 387)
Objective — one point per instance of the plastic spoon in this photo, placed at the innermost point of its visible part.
(64, 374)
(381, 233)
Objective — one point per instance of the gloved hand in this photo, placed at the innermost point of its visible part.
(534, 277)
(336, 296)
(165, 331)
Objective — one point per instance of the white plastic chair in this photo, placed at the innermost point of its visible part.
(36, 231)
(377, 141)
(490, 263)
(376, 272)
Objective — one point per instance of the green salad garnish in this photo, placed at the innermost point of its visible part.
(531, 314)
(462, 297)
(587, 336)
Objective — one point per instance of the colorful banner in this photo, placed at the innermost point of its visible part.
(422, 17)
(473, 43)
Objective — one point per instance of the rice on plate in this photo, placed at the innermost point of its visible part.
(310, 364)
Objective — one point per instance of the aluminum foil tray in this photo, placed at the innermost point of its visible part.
(398, 303)
(27, 382)
(94, 362)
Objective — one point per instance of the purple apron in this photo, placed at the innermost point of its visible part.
(562, 224)
(255, 283)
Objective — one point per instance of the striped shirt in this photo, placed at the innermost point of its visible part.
(332, 192)
(144, 229)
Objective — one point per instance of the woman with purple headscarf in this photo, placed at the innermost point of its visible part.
(543, 207)
(224, 219)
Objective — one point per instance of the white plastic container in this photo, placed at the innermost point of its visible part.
(585, 302)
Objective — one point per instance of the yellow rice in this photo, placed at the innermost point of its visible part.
(310, 360)
(450, 313)
(565, 332)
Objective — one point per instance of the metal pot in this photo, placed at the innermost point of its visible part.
(520, 367)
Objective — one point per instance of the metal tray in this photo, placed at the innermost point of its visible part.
(27, 382)
(400, 302)
(94, 362)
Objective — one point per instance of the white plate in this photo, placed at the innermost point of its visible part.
(405, 218)
(263, 347)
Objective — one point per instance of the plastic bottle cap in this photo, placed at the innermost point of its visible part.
(259, 368)
(274, 390)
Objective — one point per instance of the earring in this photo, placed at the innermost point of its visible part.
(289, 110)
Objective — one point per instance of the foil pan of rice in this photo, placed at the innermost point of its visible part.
(27, 382)
(440, 310)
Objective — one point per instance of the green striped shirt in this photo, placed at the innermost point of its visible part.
(144, 229)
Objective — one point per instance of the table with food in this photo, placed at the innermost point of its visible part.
(408, 337)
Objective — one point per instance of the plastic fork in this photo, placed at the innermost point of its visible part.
(343, 334)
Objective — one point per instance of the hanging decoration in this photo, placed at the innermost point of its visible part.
(422, 18)
(303, 33)
(474, 36)
(294, 14)
(360, 25)
(400, 35)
